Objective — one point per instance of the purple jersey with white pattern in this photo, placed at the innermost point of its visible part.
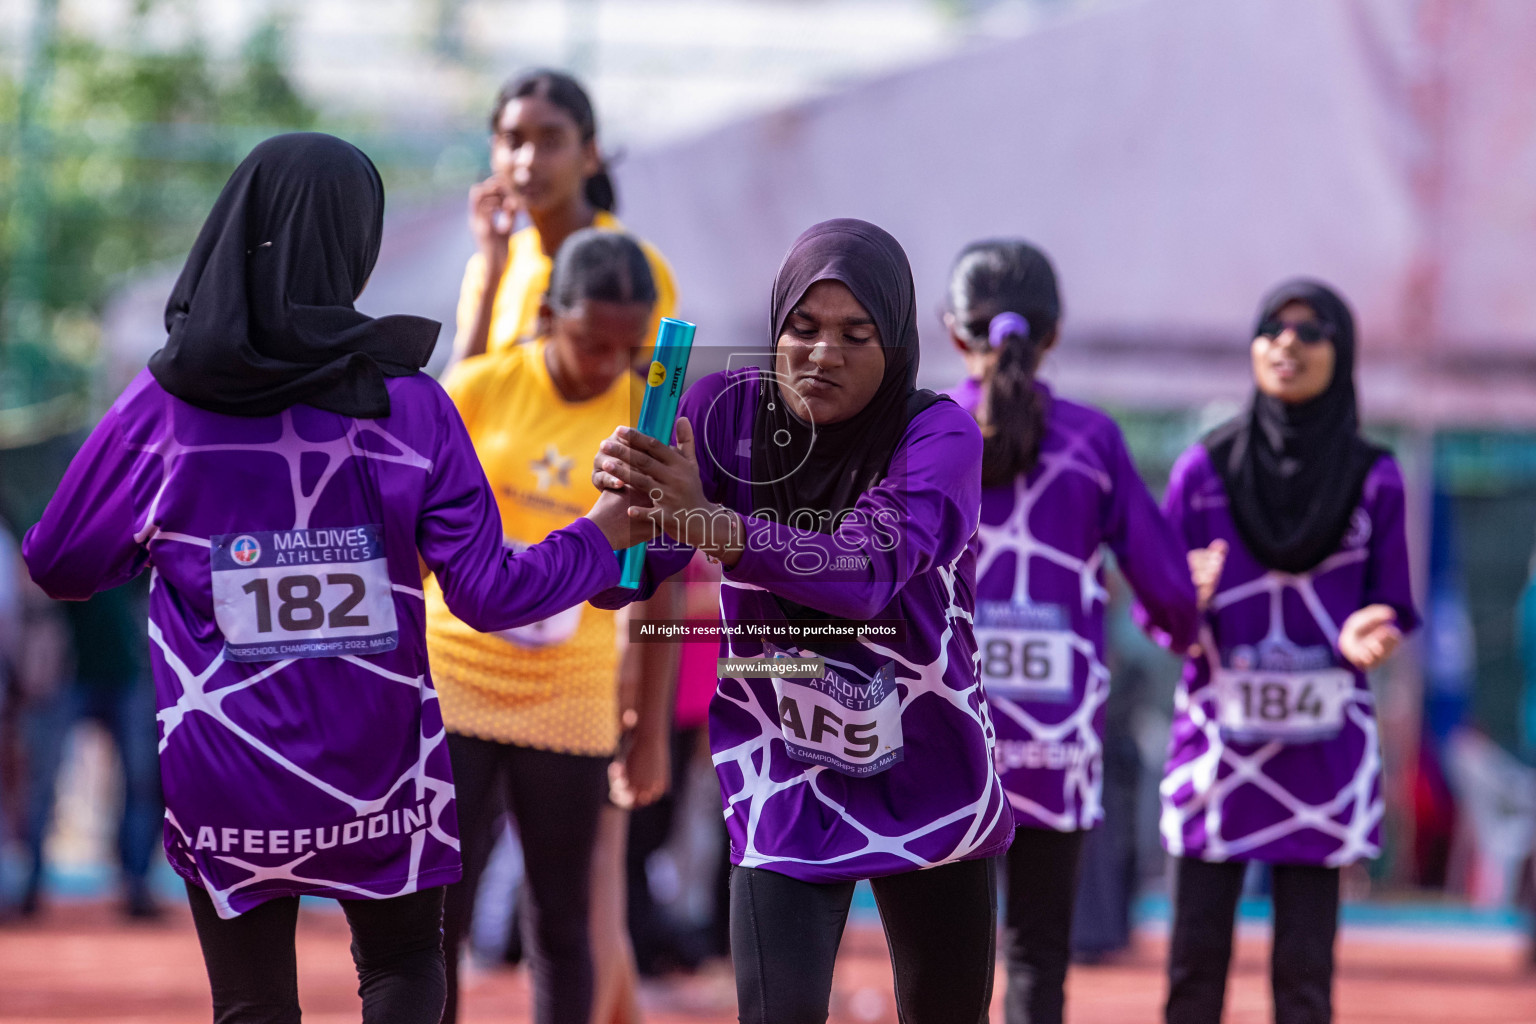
(301, 747)
(1041, 600)
(926, 794)
(1273, 754)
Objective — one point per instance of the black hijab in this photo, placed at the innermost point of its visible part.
(1294, 472)
(828, 467)
(261, 318)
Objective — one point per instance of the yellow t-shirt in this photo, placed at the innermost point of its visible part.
(515, 313)
(552, 684)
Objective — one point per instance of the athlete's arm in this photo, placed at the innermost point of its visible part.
(474, 333)
(644, 773)
(86, 540)
(492, 212)
(486, 584)
(1181, 527)
(1149, 554)
(1372, 634)
(1176, 500)
(921, 515)
(1388, 579)
(663, 557)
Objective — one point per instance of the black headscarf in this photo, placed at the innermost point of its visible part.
(262, 318)
(1294, 472)
(849, 457)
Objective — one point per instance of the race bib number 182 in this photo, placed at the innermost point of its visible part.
(318, 593)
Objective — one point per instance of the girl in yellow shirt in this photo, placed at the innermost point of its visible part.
(545, 164)
(532, 714)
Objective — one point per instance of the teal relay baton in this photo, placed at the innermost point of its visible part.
(658, 410)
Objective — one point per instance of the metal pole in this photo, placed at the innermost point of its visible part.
(24, 311)
(581, 38)
(448, 28)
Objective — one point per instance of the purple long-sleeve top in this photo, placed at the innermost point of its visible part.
(1041, 601)
(1273, 754)
(301, 748)
(885, 764)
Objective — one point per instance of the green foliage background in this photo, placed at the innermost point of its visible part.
(125, 148)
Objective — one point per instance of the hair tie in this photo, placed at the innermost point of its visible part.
(1004, 326)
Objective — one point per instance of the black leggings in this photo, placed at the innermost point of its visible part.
(1042, 868)
(1306, 901)
(654, 936)
(397, 945)
(554, 800)
(940, 923)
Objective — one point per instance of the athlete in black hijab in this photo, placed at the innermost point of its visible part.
(1305, 492)
(836, 424)
(1294, 470)
(827, 466)
(262, 317)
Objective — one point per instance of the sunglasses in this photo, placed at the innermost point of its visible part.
(1308, 332)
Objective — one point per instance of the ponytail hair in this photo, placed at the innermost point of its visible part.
(599, 190)
(565, 92)
(1004, 293)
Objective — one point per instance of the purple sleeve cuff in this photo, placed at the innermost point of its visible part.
(597, 549)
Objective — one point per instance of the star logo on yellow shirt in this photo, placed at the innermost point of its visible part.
(552, 468)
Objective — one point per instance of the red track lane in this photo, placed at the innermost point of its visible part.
(81, 963)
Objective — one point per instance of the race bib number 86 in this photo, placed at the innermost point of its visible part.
(302, 593)
(1026, 651)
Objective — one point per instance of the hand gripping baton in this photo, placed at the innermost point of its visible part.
(658, 410)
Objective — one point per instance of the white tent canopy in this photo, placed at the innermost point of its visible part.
(1176, 158)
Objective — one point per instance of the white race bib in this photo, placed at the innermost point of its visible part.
(556, 629)
(851, 726)
(1258, 705)
(1026, 651)
(319, 593)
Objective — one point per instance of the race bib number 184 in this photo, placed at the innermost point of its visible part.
(318, 593)
(1292, 707)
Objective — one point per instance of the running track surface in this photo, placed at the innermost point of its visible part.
(79, 962)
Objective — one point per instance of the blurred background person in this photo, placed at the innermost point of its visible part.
(1057, 487)
(662, 942)
(1110, 865)
(533, 713)
(549, 174)
(109, 683)
(13, 580)
(1297, 542)
(637, 778)
(547, 167)
(1525, 639)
